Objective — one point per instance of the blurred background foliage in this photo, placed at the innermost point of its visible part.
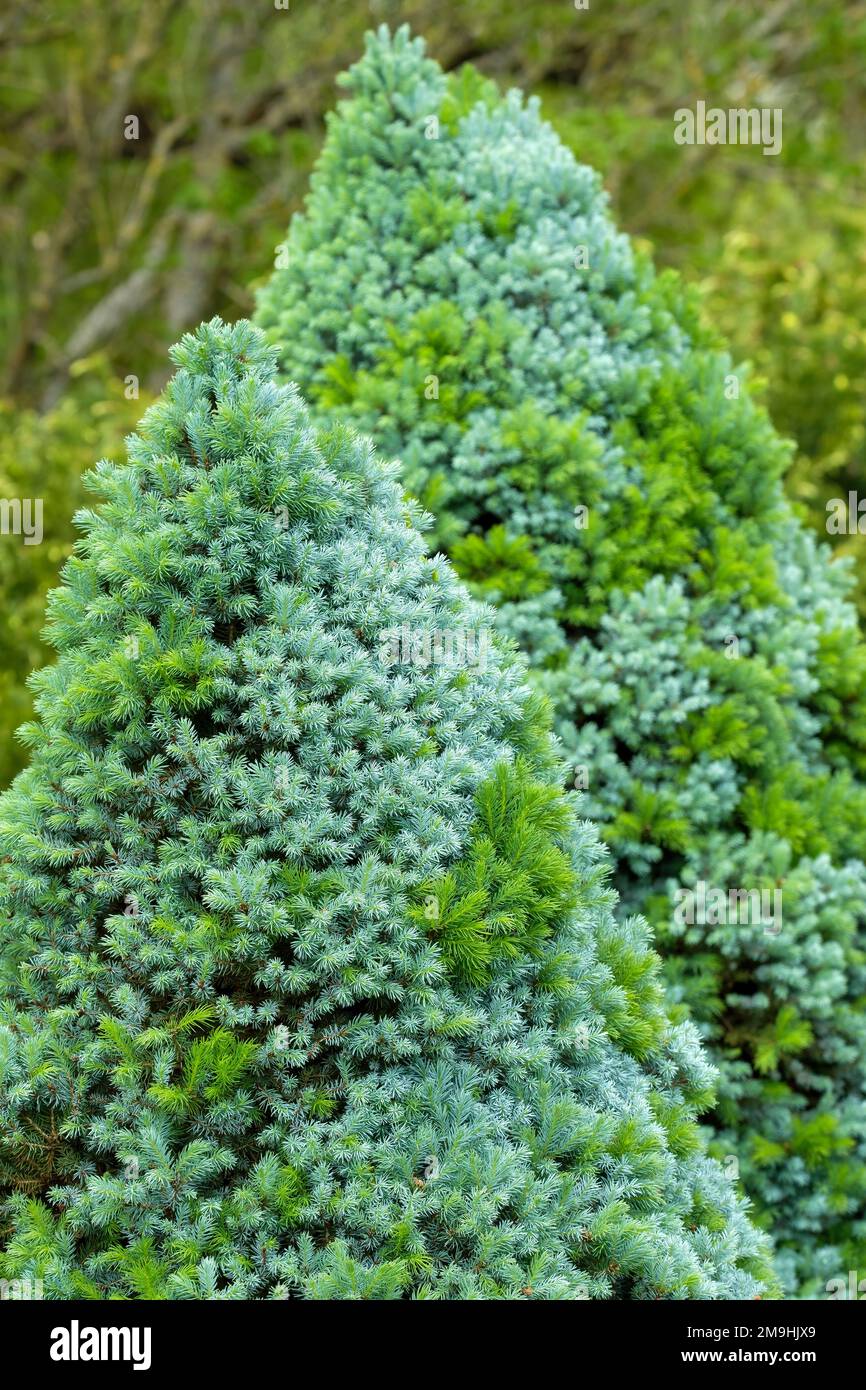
(114, 246)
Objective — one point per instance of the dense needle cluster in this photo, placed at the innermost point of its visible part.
(311, 980)
(599, 472)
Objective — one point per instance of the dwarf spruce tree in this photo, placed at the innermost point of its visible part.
(311, 983)
(600, 473)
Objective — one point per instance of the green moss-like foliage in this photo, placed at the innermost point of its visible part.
(600, 473)
(42, 458)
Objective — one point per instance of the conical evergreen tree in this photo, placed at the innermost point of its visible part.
(600, 473)
(311, 984)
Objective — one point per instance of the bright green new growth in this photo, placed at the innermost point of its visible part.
(599, 472)
(311, 984)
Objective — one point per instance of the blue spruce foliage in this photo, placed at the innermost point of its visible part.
(310, 980)
(599, 472)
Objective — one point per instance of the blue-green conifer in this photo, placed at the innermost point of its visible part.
(311, 982)
(599, 472)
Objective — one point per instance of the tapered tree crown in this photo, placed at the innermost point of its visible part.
(311, 981)
(599, 471)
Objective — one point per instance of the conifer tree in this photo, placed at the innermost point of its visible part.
(600, 473)
(311, 982)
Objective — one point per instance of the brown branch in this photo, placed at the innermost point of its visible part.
(107, 317)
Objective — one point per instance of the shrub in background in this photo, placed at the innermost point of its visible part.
(311, 984)
(804, 329)
(42, 458)
(602, 475)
